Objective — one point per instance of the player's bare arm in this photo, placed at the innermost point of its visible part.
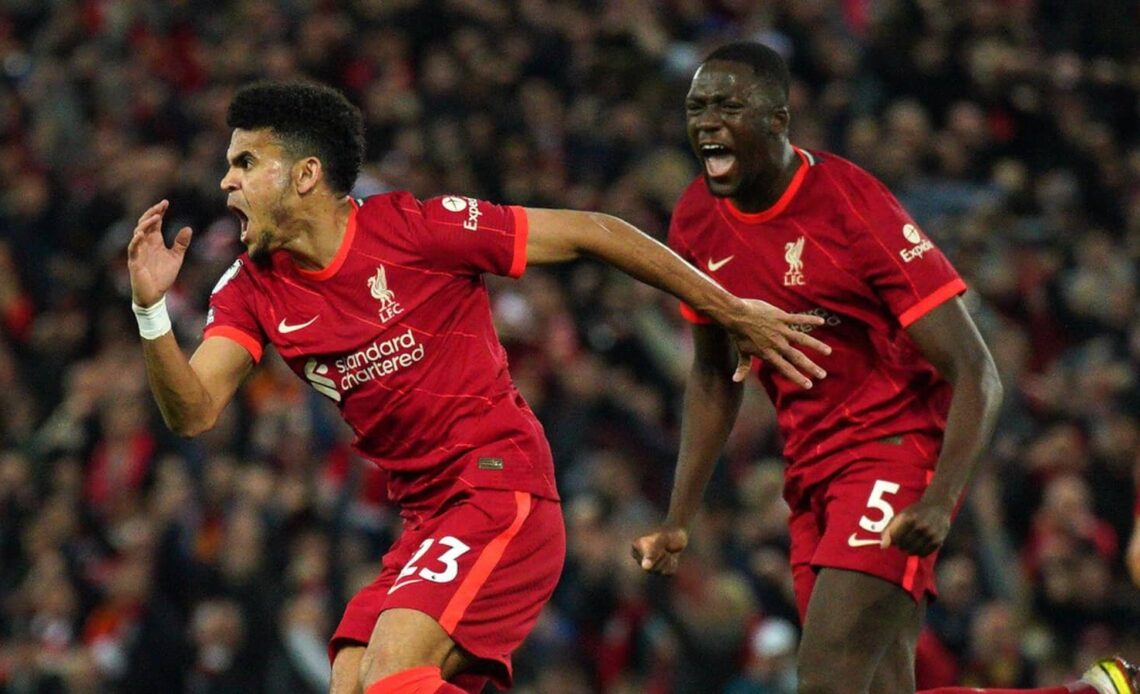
(756, 327)
(712, 401)
(1132, 553)
(190, 393)
(1132, 557)
(949, 339)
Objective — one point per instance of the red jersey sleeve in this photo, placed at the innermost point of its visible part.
(471, 236)
(231, 314)
(677, 240)
(899, 261)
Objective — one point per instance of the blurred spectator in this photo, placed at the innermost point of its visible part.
(770, 663)
(1065, 525)
(219, 638)
(301, 663)
(995, 658)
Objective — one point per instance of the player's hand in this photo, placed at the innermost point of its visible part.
(1132, 558)
(152, 265)
(919, 529)
(771, 334)
(660, 551)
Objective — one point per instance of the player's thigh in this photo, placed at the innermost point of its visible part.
(852, 621)
(346, 670)
(354, 631)
(895, 673)
(403, 639)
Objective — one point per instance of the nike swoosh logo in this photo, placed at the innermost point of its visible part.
(715, 265)
(398, 586)
(284, 327)
(856, 541)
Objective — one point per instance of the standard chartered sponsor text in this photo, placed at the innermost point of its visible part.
(378, 359)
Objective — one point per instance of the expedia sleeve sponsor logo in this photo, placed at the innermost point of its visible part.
(379, 359)
(455, 203)
(920, 247)
(917, 251)
(473, 215)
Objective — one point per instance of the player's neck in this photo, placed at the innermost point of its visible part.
(766, 191)
(319, 233)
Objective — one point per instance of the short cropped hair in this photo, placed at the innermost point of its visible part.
(311, 120)
(766, 63)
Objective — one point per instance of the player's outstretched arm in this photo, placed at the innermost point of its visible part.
(949, 339)
(712, 401)
(190, 393)
(1132, 558)
(757, 328)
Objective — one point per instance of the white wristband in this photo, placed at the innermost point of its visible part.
(154, 321)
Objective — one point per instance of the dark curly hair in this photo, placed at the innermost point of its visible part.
(311, 120)
(766, 63)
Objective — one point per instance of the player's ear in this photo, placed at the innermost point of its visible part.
(778, 121)
(307, 173)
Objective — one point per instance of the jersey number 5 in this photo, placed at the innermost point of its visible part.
(876, 501)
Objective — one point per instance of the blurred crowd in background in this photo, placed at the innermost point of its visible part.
(134, 561)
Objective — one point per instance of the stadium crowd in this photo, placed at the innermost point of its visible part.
(134, 561)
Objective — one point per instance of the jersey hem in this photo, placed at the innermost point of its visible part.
(248, 342)
(522, 230)
(689, 314)
(932, 301)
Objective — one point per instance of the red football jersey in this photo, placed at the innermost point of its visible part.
(397, 331)
(838, 245)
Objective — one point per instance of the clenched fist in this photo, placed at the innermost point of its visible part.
(659, 551)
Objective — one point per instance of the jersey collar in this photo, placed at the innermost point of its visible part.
(785, 198)
(341, 253)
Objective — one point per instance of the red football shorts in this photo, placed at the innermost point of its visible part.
(482, 566)
(838, 523)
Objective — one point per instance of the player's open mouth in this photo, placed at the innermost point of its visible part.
(719, 160)
(243, 220)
